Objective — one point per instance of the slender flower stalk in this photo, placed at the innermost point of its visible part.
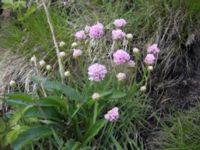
(34, 61)
(61, 68)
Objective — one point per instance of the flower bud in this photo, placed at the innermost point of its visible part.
(131, 63)
(78, 105)
(62, 44)
(2, 89)
(12, 83)
(62, 54)
(33, 59)
(77, 53)
(87, 29)
(143, 88)
(67, 74)
(42, 63)
(96, 96)
(48, 67)
(121, 76)
(136, 50)
(74, 44)
(129, 36)
(150, 68)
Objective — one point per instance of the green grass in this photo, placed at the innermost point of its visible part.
(32, 36)
(180, 132)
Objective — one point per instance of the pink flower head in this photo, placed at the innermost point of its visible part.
(97, 72)
(149, 59)
(80, 35)
(96, 31)
(120, 57)
(77, 53)
(120, 23)
(118, 34)
(153, 49)
(112, 115)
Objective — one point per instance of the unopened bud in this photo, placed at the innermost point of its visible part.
(74, 44)
(42, 63)
(77, 53)
(136, 50)
(12, 83)
(48, 67)
(87, 29)
(129, 36)
(121, 76)
(62, 44)
(143, 88)
(33, 59)
(96, 96)
(150, 68)
(131, 63)
(62, 54)
(67, 73)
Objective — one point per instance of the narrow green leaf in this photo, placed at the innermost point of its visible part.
(93, 131)
(117, 95)
(11, 136)
(65, 89)
(52, 101)
(32, 134)
(52, 86)
(43, 112)
(18, 99)
(14, 132)
(71, 145)
(107, 93)
(116, 143)
(17, 115)
(2, 125)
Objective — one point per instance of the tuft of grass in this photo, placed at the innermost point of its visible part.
(179, 132)
(145, 17)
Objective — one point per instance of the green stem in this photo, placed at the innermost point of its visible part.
(95, 112)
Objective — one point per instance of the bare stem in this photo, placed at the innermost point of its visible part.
(61, 69)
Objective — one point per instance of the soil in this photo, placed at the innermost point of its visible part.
(181, 90)
(171, 95)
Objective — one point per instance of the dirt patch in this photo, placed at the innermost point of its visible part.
(176, 89)
(180, 89)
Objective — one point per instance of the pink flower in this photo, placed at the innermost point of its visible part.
(149, 59)
(112, 115)
(96, 31)
(153, 49)
(120, 57)
(80, 35)
(118, 34)
(119, 23)
(97, 72)
(77, 53)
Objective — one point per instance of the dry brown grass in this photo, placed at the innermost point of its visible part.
(15, 67)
